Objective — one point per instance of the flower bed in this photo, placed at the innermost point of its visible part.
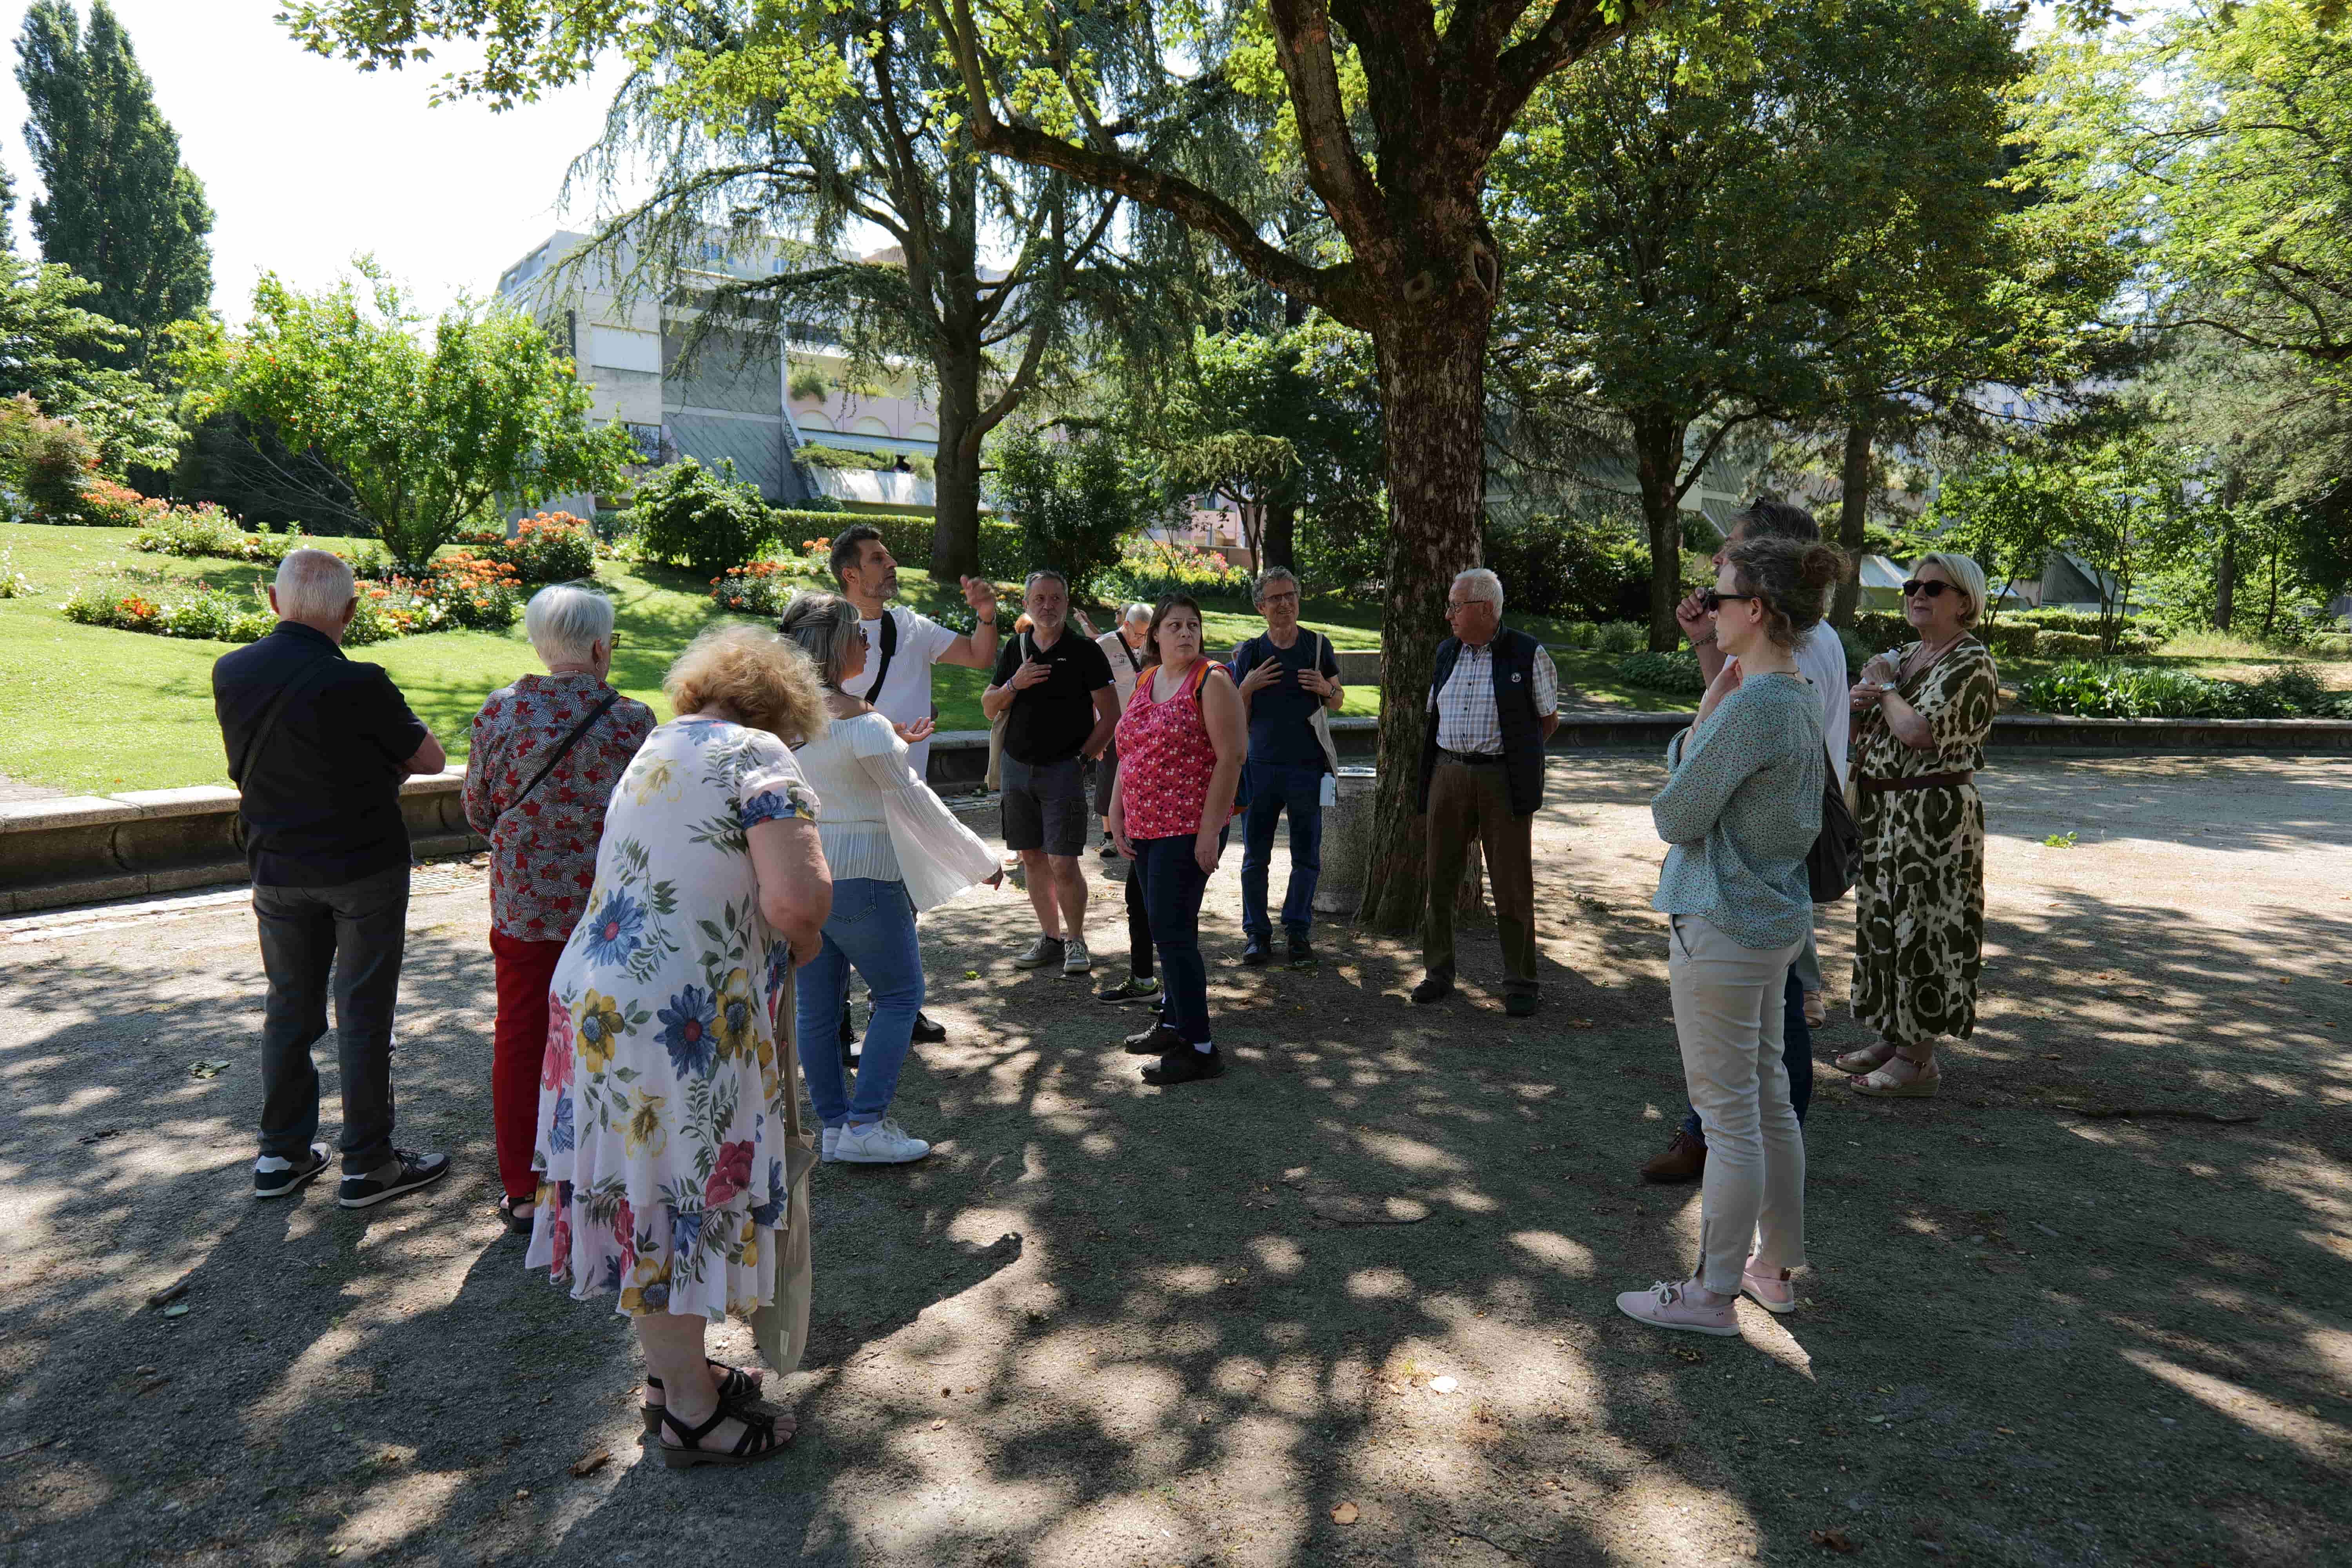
(764, 587)
(207, 530)
(193, 610)
(548, 547)
(1152, 570)
(461, 593)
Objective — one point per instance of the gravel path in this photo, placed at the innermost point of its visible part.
(1104, 1325)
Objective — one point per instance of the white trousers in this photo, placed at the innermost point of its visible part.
(1727, 1017)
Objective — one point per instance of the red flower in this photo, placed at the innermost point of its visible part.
(731, 1176)
(558, 1237)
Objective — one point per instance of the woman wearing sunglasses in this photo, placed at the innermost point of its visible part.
(1921, 715)
(1741, 807)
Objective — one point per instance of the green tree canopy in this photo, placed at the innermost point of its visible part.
(431, 434)
(119, 207)
(54, 350)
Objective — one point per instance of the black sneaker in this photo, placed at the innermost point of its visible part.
(1255, 954)
(415, 1171)
(1302, 955)
(1521, 1003)
(1133, 988)
(292, 1179)
(1156, 1041)
(1109, 850)
(928, 1030)
(1185, 1065)
(1432, 988)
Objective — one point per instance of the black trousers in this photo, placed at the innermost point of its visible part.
(345, 940)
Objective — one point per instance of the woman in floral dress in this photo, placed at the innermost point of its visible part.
(1921, 716)
(665, 1098)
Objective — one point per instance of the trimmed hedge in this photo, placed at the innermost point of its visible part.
(909, 537)
(1677, 672)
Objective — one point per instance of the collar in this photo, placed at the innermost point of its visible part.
(300, 632)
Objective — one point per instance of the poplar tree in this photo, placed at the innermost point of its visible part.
(120, 208)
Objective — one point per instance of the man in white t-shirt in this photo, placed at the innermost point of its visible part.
(1821, 659)
(901, 645)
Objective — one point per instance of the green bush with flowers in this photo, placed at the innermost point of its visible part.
(547, 547)
(176, 610)
(1150, 570)
(206, 530)
(763, 587)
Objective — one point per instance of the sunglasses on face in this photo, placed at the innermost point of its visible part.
(1932, 590)
(1713, 599)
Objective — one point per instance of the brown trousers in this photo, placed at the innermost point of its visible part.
(1468, 802)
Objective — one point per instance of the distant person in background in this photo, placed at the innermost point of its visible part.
(1821, 659)
(1921, 713)
(1055, 692)
(1122, 646)
(1286, 677)
(1184, 742)
(547, 751)
(1494, 702)
(319, 744)
(905, 644)
(1742, 808)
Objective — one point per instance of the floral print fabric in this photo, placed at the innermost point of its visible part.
(544, 852)
(662, 1108)
(1918, 892)
(1165, 757)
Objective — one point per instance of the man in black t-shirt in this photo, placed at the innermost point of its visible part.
(1054, 689)
(318, 746)
(1287, 674)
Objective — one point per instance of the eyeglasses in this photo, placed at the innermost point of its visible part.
(1931, 590)
(1713, 599)
(1456, 606)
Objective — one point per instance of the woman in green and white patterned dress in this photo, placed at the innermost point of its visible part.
(666, 1098)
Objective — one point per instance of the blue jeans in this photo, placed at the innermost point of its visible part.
(1172, 885)
(1272, 786)
(871, 930)
(1796, 1055)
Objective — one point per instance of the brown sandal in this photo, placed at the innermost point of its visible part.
(1867, 1060)
(758, 1442)
(1881, 1084)
(735, 1387)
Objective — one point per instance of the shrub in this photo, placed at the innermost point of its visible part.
(1621, 636)
(2011, 639)
(845, 457)
(195, 610)
(761, 589)
(105, 504)
(684, 514)
(46, 462)
(2066, 644)
(1663, 672)
(2117, 690)
(2332, 645)
(206, 529)
(1571, 565)
(548, 547)
(14, 583)
(1152, 569)
(1075, 500)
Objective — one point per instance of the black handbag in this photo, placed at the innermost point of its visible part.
(1828, 865)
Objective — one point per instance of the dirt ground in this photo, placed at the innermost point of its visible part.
(1106, 1325)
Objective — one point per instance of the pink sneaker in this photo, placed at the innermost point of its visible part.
(1665, 1306)
(1768, 1288)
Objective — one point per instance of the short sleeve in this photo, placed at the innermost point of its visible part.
(1330, 666)
(1546, 684)
(381, 713)
(925, 639)
(1961, 711)
(770, 784)
(1098, 673)
(1008, 659)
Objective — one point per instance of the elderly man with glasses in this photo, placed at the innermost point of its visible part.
(1494, 702)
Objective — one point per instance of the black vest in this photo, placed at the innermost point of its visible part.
(1514, 704)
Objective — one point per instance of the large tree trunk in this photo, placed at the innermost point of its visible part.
(955, 531)
(1433, 388)
(2225, 583)
(1658, 460)
(1281, 541)
(1853, 513)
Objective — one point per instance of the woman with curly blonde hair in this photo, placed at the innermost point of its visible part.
(667, 1146)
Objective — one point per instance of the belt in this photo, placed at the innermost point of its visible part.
(1472, 759)
(1918, 780)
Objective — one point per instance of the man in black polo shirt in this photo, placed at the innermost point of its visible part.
(1062, 706)
(319, 746)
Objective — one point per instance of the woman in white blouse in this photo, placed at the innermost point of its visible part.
(893, 847)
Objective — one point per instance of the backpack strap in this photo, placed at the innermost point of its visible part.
(564, 750)
(276, 709)
(889, 646)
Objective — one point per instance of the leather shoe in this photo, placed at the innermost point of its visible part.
(929, 1030)
(1156, 1041)
(1432, 988)
(1255, 953)
(1519, 1005)
(1684, 1159)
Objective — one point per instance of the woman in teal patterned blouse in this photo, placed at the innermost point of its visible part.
(1741, 807)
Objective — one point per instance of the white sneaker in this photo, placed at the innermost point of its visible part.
(883, 1142)
(826, 1145)
(1077, 961)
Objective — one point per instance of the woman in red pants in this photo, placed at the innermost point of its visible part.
(547, 751)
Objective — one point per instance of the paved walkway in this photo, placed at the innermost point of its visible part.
(1349, 1304)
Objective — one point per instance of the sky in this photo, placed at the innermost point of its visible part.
(308, 161)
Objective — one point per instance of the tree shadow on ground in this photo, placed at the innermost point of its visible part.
(2032, 1336)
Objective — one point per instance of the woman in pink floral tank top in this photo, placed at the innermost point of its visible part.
(1181, 743)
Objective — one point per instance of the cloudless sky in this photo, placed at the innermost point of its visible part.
(308, 161)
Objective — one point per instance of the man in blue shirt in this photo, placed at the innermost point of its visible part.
(1287, 676)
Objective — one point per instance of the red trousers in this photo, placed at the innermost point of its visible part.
(518, 1047)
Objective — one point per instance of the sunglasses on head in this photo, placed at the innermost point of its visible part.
(1713, 599)
(1915, 587)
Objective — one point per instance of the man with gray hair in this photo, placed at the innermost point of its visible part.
(1286, 677)
(319, 744)
(1494, 702)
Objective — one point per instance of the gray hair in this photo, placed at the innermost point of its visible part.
(1044, 574)
(822, 623)
(1483, 584)
(313, 585)
(1138, 613)
(1268, 578)
(567, 621)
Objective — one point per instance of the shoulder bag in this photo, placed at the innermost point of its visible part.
(270, 715)
(889, 646)
(562, 750)
(1828, 865)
